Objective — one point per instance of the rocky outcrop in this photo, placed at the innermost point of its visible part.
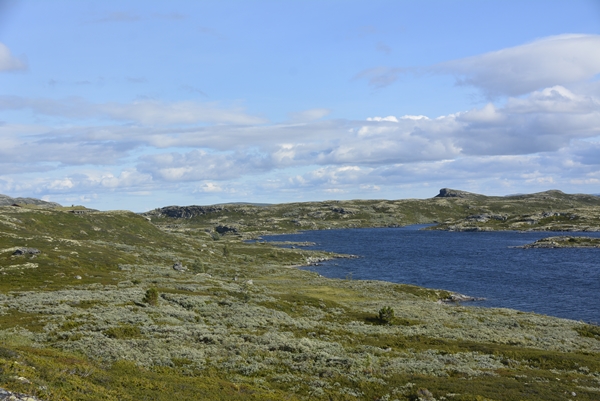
(456, 298)
(26, 251)
(342, 210)
(564, 242)
(455, 193)
(185, 212)
(483, 218)
(223, 229)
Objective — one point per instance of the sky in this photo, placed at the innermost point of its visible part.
(142, 104)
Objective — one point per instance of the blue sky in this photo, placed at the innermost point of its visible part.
(141, 104)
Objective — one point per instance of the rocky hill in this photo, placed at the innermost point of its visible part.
(7, 200)
(451, 209)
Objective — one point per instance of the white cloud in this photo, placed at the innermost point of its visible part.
(8, 62)
(210, 187)
(556, 99)
(388, 118)
(550, 61)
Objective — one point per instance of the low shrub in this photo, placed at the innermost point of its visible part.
(123, 332)
(151, 297)
(386, 315)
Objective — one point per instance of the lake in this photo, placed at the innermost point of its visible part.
(557, 282)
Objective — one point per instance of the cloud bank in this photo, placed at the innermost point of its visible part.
(546, 62)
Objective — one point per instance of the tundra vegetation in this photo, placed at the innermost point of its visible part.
(97, 310)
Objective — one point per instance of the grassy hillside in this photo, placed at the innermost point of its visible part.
(78, 320)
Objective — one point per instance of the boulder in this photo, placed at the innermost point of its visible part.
(178, 266)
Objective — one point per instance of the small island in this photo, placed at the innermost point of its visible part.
(564, 241)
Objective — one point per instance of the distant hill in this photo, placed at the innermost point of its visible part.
(451, 209)
(6, 200)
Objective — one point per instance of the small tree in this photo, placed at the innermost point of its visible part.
(386, 315)
(151, 296)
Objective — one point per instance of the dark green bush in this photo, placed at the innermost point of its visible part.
(386, 315)
(151, 297)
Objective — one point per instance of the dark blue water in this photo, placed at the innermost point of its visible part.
(557, 282)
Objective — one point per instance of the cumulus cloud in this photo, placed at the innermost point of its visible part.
(8, 62)
(550, 61)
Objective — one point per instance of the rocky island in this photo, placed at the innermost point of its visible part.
(564, 242)
(175, 304)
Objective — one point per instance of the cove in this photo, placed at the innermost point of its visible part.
(558, 282)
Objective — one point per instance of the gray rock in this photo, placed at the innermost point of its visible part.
(222, 229)
(179, 267)
(6, 395)
(27, 251)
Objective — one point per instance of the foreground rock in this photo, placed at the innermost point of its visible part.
(26, 251)
(564, 242)
(457, 298)
(10, 396)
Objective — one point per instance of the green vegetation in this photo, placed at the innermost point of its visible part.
(151, 296)
(386, 315)
(242, 323)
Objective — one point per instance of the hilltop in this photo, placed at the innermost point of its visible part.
(7, 200)
(173, 304)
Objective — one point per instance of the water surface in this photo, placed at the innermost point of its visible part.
(558, 282)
